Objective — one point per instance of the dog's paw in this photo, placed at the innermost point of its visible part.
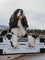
(15, 46)
(31, 41)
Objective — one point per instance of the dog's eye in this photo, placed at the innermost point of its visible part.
(21, 11)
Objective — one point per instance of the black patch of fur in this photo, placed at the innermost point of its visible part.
(4, 32)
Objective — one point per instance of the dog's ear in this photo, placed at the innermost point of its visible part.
(24, 22)
(4, 32)
(13, 21)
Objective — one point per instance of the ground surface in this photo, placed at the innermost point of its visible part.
(23, 57)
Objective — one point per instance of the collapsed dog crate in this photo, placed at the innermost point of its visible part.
(23, 47)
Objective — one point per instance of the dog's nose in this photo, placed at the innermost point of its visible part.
(21, 14)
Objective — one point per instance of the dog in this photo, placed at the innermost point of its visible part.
(18, 24)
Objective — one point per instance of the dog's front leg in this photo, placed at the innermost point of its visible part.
(31, 41)
(14, 41)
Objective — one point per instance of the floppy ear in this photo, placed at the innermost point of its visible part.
(24, 22)
(13, 21)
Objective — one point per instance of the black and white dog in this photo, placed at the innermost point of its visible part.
(17, 26)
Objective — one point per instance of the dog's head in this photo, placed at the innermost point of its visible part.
(19, 14)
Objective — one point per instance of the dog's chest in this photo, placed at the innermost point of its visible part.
(19, 24)
(21, 29)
